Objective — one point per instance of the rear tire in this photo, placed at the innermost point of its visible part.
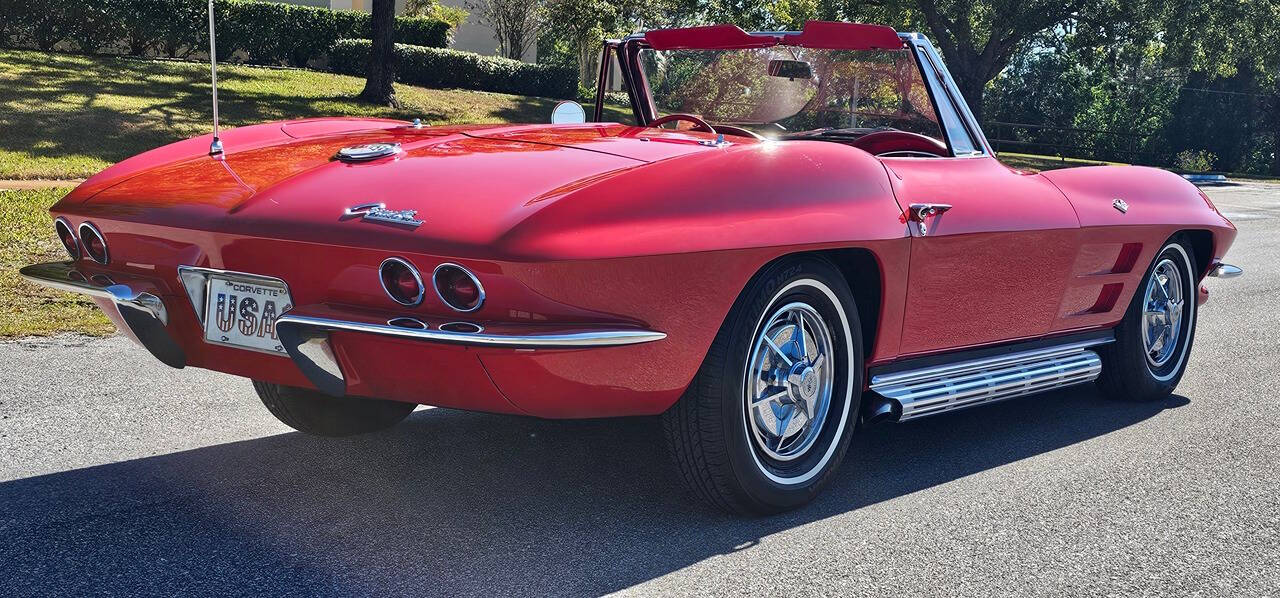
(1135, 367)
(316, 413)
(756, 380)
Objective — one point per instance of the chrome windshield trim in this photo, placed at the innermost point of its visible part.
(566, 340)
(930, 54)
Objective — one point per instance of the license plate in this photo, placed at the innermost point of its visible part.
(243, 314)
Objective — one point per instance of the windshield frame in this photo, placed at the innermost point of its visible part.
(929, 63)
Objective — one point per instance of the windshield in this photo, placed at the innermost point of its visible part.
(782, 91)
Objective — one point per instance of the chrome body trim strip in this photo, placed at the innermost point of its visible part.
(306, 339)
(144, 313)
(947, 387)
(568, 340)
(1225, 271)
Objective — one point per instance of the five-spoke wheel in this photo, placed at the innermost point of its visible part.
(1162, 316)
(1149, 355)
(770, 413)
(789, 382)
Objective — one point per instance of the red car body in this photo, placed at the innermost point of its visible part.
(614, 227)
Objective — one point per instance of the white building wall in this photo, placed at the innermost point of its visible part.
(472, 36)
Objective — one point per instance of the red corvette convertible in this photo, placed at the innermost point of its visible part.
(819, 238)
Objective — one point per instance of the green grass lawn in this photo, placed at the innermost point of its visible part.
(26, 237)
(1034, 162)
(65, 116)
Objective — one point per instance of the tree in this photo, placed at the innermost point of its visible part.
(979, 38)
(452, 15)
(378, 88)
(515, 23)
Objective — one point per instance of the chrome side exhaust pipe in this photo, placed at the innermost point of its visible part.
(907, 395)
(880, 410)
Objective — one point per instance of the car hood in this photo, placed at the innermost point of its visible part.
(468, 184)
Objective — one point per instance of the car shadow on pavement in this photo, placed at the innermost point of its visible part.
(456, 503)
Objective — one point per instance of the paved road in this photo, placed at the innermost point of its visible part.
(120, 476)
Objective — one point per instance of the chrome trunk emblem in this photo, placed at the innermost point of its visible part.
(378, 212)
(1121, 205)
(368, 151)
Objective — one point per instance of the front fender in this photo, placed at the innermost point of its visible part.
(1153, 196)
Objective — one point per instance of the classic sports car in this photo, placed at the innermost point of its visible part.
(821, 240)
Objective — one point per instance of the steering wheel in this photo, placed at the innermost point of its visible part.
(890, 142)
(739, 131)
(698, 123)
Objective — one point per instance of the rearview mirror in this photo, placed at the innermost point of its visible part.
(568, 113)
(791, 69)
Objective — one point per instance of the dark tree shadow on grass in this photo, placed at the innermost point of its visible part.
(60, 112)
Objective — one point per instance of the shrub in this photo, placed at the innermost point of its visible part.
(256, 32)
(419, 31)
(440, 68)
(1194, 161)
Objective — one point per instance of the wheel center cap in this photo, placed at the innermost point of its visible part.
(805, 384)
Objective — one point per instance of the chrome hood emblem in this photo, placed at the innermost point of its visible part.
(378, 212)
(368, 151)
(1121, 205)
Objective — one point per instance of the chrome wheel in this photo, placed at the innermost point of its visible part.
(1162, 313)
(789, 382)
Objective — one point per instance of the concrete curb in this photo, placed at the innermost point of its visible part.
(1205, 178)
(24, 185)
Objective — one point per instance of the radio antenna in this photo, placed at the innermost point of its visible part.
(215, 148)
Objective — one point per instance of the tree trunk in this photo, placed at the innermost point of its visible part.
(972, 89)
(378, 87)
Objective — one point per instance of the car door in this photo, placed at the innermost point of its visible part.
(990, 260)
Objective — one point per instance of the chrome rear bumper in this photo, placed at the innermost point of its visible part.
(1225, 271)
(144, 314)
(305, 332)
(306, 338)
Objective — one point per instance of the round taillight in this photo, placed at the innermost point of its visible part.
(401, 281)
(67, 237)
(95, 245)
(458, 287)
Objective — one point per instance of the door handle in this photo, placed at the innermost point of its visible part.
(918, 212)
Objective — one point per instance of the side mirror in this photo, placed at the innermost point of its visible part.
(791, 69)
(568, 113)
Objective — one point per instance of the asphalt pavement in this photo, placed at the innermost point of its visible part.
(120, 476)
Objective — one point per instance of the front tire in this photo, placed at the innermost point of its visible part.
(313, 412)
(1153, 341)
(769, 415)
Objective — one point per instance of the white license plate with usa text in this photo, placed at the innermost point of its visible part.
(243, 314)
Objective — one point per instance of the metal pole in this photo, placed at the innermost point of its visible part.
(215, 148)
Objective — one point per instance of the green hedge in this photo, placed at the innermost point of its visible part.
(256, 32)
(435, 67)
